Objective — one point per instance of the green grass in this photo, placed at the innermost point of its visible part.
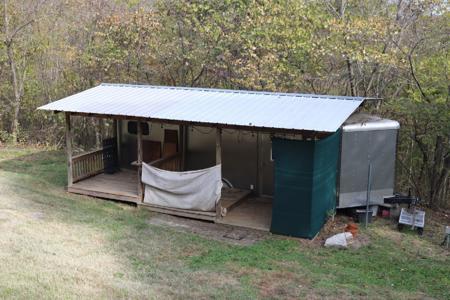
(59, 245)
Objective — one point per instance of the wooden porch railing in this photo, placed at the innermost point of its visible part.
(88, 164)
(169, 163)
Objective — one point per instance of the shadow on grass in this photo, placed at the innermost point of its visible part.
(36, 183)
(47, 166)
(41, 176)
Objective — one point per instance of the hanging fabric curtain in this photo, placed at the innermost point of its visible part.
(194, 190)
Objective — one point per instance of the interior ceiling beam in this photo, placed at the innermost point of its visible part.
(304, 133)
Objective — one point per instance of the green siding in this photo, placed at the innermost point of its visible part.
(324, 183)
(305, 184)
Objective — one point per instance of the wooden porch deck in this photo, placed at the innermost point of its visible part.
(255, 213)
(121, 186)
(236, 207)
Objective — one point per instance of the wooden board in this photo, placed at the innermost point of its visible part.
(196, 212)
(69, 149)
(171, 136)
(151, 150)
(305, 133)
(140, 187)
(169, 149)
(118, 186)
(231, 197)
(193, 214)
(104, 195)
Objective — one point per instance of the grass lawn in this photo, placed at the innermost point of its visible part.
(59, 245)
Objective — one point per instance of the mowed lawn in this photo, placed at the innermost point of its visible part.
(59, 245)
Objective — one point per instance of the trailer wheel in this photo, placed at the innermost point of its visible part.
(420, 231)
(400, 227)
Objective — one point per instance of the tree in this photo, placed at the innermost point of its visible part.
(424, 108)
(17, 18)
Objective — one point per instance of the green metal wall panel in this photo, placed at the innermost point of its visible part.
(293, 180)
(305, 184)
(324, 195)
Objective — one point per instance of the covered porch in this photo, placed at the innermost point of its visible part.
(90, 175)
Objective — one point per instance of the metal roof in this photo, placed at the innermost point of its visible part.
(213, 107)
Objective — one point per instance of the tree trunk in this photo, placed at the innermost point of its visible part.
(17, 80)
(17, 87)
(350, 76)
(341, 5)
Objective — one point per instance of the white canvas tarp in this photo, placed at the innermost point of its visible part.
(194, 190)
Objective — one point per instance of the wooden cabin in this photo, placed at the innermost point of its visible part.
(262, 141)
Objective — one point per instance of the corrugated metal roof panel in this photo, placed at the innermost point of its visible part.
(283, 111)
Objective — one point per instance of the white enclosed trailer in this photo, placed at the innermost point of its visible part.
(365, 139)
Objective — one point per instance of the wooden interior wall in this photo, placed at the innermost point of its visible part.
(239, 156)
(152, 143)
(240, 164)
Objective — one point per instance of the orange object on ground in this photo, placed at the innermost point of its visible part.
(352, 228)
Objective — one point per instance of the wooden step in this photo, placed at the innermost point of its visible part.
(231, 197)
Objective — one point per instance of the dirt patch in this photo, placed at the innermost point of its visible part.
(219, 232)
(435, 222)
(359, 241)
(332, 227)
(441, 215)
(335, 226)
(389, 230)
(279, 285)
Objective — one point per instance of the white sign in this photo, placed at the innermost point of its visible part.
(415, 218)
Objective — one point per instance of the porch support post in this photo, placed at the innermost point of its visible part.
(69, 150)
(182, 148)
(218, 162)
(114, 128)
(117, 136)
(218, 146)
(139, 161)
(259, 162)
